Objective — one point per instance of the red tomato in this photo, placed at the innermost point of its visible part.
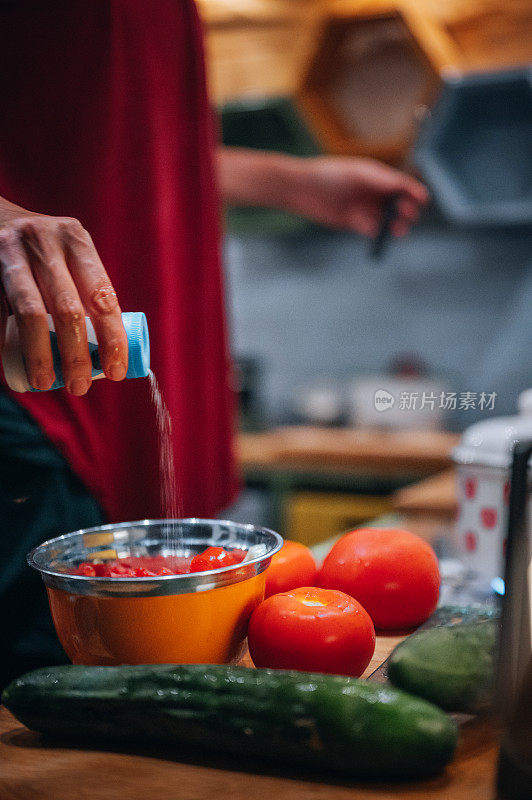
(238, 555)
(291, 567)
(87, 569)
(211, 558)
(393, 573)
(151, 566)
(142, 572)
(310, 629)
(118, 570)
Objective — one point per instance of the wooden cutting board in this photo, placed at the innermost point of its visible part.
(435, 495)
(429, 507)
(34, 769)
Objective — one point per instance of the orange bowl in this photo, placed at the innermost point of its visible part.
(193, 618)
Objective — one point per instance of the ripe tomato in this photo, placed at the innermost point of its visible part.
(86, 569)
(292, 566)
(392, 572)
(211, 558)
(310, 629)
(118, 570)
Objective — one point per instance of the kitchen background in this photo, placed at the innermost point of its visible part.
(440, 88)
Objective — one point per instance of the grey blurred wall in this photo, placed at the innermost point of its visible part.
(316, 306)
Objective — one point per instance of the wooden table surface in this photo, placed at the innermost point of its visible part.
(34, 769)
(435, 495)
(383, 452)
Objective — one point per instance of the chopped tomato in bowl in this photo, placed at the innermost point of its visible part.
(154, 566)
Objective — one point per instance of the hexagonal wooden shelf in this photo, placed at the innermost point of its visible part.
(258, 47)
(487, 34)
(376, 65)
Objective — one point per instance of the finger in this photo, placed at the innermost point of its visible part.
(64, 304)
(414, 189)
(3, 316)
(400, 228)
(393, 181)
(407, 210)
(98, 297)
(27, 305)
(363, 223)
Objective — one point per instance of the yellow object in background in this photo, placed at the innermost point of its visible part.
(312, 517)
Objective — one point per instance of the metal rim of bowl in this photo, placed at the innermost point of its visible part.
(159, 585)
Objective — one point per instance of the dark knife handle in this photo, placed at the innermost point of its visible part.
(389, 213)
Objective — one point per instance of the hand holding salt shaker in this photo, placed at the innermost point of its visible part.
(138, 340)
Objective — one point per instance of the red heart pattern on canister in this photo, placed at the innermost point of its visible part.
(470, 488)
(470, 540)
(488, 517)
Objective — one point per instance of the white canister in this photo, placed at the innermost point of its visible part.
(483, 460)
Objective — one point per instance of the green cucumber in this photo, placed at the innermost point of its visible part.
(321, 721)
(450, 666)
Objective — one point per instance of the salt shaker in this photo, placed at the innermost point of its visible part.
(138, 340)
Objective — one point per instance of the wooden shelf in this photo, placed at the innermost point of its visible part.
(486, 34)
(258, 47)
(376, 67)
(362, 71)
(329, 449)
(429, 507)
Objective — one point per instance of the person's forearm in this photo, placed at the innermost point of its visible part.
(343, 192)
(256, 178)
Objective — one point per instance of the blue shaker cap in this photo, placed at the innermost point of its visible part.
(138, 339)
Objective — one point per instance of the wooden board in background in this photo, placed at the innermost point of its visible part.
(310, 447)
(429, 507)
(435, 495)
(383, 647)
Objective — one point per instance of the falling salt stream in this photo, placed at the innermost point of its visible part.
(170, 501)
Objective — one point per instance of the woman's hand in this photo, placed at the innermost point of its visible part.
(50, 265)
(349, 193)
(339, 191)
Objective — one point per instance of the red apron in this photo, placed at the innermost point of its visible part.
(104, 117)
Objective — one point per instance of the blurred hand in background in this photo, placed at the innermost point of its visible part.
(341, 192)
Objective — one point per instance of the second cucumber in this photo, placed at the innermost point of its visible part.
(452, 666)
